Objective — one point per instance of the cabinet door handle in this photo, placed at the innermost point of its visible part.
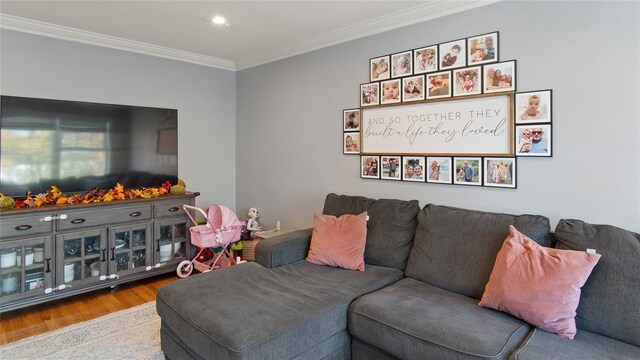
(113, 254)
(135, 214)
(174, 209)
(23, 227)
(158, 245)
(104, 255)
(48, 265)
(78, 221)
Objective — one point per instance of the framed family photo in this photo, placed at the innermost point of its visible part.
(467, 81)
(401, 64)
(468, 171)
(425, 59)
(379, 68)
(500, 77)
(438, 85)
(350, 143)
(390, 91)
(369, 167)
(500, 172)
(369, 94)
(533, 107)
(413, 88)
(413, 168)
(453, 54)
(351, 119)
(439, 170)
(482, 49)
(533, 140)
(391, 168)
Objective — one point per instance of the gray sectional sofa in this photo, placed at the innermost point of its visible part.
(417, 298)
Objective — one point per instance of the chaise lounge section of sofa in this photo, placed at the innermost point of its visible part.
(417, 298)
(282, 307)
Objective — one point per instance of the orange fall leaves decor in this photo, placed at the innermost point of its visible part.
(55, 197)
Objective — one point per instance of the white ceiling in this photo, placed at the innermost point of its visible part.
(258, 31)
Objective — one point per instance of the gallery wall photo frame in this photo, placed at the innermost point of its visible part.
(483, 49)
(409, 164)
(370, 167)
(467, 81)
(500, 172)
(468, 171)
(425, 59)
(499, 77)
(534, 140)
(351, 119)
(379, 68)
(402, 64)
(390, 92)
(438, 85)
(391, 167)
(413, 88)
(370, 94)
(351, 143)
(452, 54)
(533, 107)
(439, 170)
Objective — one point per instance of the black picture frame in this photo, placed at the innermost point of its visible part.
(501, 172)
(478, 44)
(366, 170)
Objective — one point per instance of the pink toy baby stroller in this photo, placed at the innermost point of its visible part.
(221, 230)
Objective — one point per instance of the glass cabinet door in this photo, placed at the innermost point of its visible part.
(172, 240)
(82, 257)
(26, 268)
(130, 248)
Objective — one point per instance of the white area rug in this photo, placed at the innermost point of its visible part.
(127, 334)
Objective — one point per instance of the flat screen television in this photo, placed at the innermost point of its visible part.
(79, 146)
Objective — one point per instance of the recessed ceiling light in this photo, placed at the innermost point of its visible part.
(218, 20)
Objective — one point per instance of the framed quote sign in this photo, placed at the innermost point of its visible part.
(473, 126)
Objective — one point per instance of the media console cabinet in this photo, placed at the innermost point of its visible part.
(53, 252)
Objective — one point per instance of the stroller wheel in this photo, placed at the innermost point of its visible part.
(184, 269)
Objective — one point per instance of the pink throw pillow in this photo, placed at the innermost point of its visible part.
(338, 241)
(538, 285)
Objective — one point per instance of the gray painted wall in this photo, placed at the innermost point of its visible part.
(289, 117)
(35, 66)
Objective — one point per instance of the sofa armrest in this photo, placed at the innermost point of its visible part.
(283, 249)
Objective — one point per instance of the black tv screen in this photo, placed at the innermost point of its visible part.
(79, 146)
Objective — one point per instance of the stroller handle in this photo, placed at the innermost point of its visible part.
(185, 207)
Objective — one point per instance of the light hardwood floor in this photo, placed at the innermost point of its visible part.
(38, 319)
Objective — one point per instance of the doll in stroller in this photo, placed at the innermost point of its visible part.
(221, 230)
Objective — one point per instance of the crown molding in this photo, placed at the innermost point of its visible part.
(421, 13)
(15, 23)
(427, 11)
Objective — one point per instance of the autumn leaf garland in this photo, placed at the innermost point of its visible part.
(55, 197)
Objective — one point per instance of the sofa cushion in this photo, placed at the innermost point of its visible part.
(390, 229)
(338, 241)
(537, 284)
(610, 300)
(285, 310)
(410, 319)
(455, 249)
(586, 345)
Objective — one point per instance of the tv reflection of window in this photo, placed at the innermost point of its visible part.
(83, 153)
(26, 155)
(29, 155)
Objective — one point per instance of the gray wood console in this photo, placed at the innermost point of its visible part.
(54, 252)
